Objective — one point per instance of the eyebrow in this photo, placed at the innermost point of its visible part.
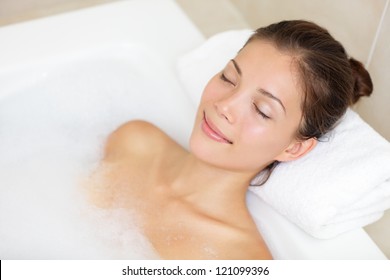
(270, 95)
(236, 66)
(260, 90)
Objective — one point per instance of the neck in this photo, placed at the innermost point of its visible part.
(199, 181)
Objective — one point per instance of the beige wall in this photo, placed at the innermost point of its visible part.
(341, 18)
(376, 109)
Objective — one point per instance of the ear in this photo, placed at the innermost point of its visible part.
(297, 149)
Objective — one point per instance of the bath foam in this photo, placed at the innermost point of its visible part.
(44, 216)
(52, 132)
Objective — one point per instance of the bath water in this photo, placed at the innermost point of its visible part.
(52, 134)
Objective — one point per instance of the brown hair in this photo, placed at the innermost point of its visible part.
(330, 80)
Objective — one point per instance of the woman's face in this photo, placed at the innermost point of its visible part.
(250, 111)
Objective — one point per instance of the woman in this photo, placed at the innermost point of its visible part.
(288, 86)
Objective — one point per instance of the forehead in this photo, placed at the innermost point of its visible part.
(265, 66)
(266, 53)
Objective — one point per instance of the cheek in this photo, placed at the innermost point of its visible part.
(265, 142)
(257, 140)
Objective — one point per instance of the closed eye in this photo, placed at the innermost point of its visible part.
(258, 111)
(223, 78)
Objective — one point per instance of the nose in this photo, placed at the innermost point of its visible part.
(229, 106)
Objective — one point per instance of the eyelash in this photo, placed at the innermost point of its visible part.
(223, 78)
(264, 116)
(258, 111)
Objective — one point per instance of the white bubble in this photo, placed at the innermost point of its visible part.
(52, 132)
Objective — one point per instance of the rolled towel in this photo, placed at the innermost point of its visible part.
(344, 183)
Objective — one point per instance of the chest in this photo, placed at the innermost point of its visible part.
(173, 226)
(176, 231)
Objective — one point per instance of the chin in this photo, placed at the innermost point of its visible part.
(202, 150)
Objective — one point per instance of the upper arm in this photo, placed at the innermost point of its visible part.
(131, 139)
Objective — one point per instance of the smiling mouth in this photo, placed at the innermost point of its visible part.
(213, 132)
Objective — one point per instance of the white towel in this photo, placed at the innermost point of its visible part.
(344, 183)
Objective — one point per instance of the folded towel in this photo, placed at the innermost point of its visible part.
(344, 183)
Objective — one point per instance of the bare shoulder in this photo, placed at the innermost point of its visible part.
(136, 138)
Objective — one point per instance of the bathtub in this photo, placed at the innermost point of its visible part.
(65, 83)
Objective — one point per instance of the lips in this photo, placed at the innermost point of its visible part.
(213, 132)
